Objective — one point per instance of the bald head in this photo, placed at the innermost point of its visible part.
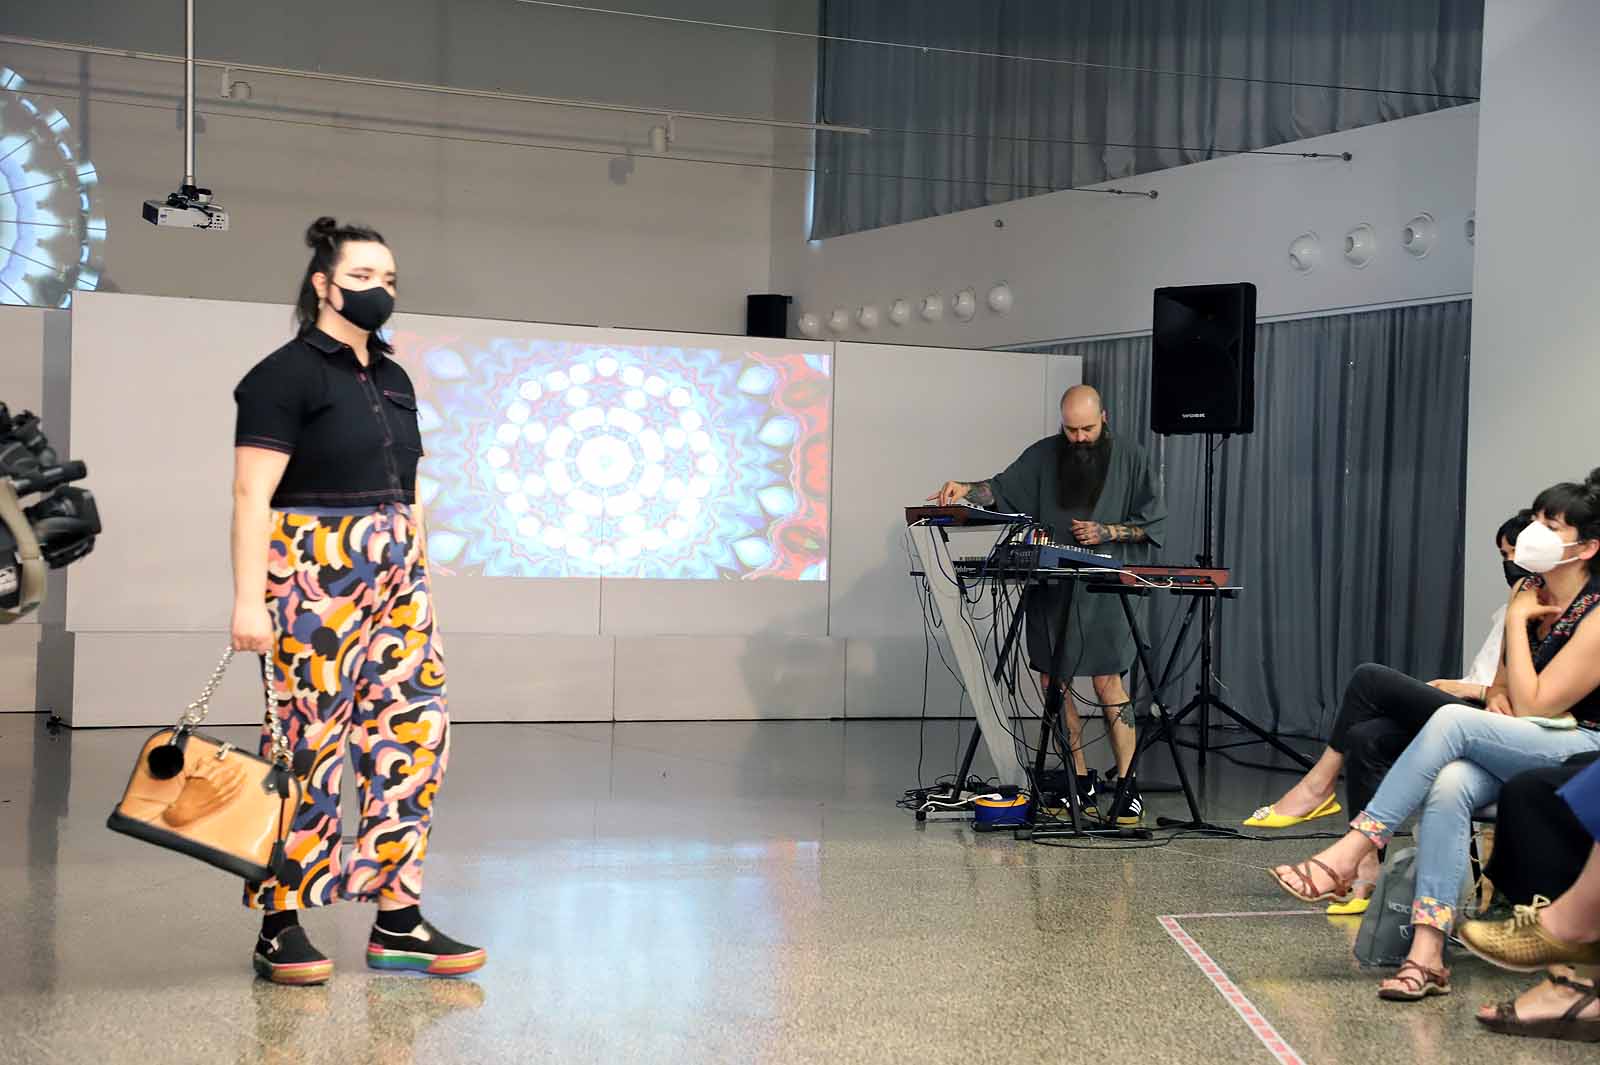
(1080, 401)
(1082, 416)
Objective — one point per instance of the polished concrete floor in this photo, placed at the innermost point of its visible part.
(697, 892)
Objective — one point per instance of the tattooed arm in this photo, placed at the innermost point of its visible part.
(1091, 533)
(1124, 534)
(981, 493)
(978, 493)
(1014, 489)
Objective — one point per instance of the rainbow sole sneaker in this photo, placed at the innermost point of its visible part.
(291, 959)
(424, 949)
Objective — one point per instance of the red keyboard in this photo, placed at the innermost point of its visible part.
(1180, 576)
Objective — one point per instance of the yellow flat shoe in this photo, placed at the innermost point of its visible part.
(1354, 908)
(1269, 817)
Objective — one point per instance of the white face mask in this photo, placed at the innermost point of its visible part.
(1539, 549)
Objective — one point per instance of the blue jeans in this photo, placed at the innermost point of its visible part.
(1456, 765)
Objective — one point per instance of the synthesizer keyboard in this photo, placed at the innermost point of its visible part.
(962, 514)
(1027, 557)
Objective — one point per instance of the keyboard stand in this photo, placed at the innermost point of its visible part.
(946, 590)
(1054, 726)
(1202, 602)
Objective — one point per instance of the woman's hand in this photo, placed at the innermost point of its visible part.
(252, 628)
(1456, 689)
(1527, 605)
(1499, 702)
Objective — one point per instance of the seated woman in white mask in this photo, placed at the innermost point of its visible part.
(1383, 710)
(1464, 754)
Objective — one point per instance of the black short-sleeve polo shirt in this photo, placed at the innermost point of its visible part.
(350, 431)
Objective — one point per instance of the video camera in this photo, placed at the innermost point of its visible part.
(56, 530)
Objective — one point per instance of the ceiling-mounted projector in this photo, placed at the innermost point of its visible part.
(188, 208)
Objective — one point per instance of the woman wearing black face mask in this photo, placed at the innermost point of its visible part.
(331, 581)
(1382, 711)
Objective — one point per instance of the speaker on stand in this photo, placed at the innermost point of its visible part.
(1203, 360)
(1202, 382)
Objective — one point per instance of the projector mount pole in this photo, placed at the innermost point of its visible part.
(188, 99)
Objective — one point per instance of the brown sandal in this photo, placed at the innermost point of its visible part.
(1568, 1026)
(1306, 891)
(1419, 982)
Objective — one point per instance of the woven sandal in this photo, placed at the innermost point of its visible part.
(1418, 982)
(1568, 1026)
(1306, 889)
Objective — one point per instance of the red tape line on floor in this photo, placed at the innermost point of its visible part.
(1262, 1028)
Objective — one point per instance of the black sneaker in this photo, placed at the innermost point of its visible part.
(1130, 813)
(1089, 795)
(424, 949)
(291, 959)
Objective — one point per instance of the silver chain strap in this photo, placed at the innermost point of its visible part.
(197, 710)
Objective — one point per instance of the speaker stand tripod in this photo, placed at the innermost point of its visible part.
(1206, 698)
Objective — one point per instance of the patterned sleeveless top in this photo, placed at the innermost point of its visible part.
(1587, 709)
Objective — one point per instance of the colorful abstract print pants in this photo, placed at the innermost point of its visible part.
(358, 667)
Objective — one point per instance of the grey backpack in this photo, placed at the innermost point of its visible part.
(1385, 936)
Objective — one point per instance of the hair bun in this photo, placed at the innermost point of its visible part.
(1592, 485)
(321, 231)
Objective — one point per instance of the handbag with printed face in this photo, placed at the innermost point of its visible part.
(206, 798)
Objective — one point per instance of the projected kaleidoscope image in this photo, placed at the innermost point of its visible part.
(50, 226)
(562, 459)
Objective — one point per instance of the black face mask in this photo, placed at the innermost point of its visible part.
(366, 308)
(1514, 572)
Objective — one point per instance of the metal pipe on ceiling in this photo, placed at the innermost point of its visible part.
(443, 90)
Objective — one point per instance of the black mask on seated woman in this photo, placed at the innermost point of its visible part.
(1514, 572)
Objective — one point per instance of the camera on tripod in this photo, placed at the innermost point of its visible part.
(54, 531)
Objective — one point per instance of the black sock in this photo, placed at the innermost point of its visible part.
(400, 921)
(273, 924)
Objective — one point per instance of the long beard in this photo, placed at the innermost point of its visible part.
(1081, 472)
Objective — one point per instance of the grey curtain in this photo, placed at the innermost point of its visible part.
(1340, 515)
(956, 131)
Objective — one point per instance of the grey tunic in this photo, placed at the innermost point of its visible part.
(1098, 640)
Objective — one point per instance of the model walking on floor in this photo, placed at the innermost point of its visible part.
(330, 579)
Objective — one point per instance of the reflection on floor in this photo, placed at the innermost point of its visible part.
(697, 892)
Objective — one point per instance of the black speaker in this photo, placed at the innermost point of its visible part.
(1203, 359)
(766, 315)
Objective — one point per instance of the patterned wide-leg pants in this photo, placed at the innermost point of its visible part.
(358, 666)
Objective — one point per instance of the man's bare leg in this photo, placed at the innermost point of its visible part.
(1118, 709)
(1073, 723)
